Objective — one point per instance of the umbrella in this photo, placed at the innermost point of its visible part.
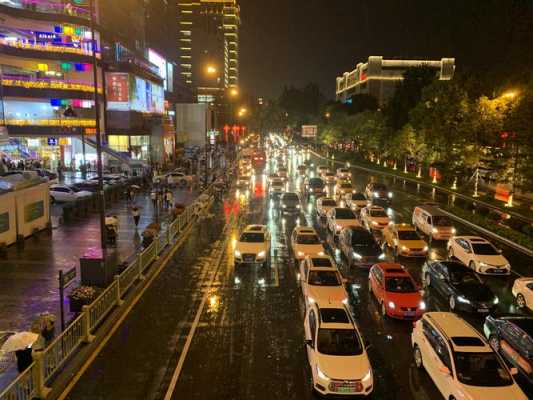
(135, 187)
(19, 341)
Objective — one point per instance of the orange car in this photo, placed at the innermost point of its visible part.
(396, 291)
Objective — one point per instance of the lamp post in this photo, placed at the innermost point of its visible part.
(99, 166)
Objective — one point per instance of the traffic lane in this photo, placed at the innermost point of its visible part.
(253, 327)
(134, 363)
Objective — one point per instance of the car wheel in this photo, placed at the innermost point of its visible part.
(494, 343)
(520, 300)
(383, 310)
(452, 303)
(427, 280)
(417, 355)
(450, 253)
(52, 200)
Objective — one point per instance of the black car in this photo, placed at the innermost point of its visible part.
(378, 193)
(512, 337)
(315, 186)
(459, 285)
(290, 203)
(359, 247)
(89, 186)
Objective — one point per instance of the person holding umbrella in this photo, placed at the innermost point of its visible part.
(136, 213)
(21, 344)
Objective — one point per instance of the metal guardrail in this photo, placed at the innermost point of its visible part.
(32, 383)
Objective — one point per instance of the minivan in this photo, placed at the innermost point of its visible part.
(433, 222)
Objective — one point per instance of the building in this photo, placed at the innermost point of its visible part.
(208, 40)
(378, 77)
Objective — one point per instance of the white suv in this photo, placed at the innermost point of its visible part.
(478, 254)
(336, 352)
(253, 246)
(321, 284)
(460, 361)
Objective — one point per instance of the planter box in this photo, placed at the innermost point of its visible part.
(77, 304)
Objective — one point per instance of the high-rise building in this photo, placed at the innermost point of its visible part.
(208, 42)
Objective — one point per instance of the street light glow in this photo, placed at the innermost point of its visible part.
(211, 70)
(509, 95)
(234, 92)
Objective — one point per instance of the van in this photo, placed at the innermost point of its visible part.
(433, 222)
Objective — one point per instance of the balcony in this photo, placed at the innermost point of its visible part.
(34, 49)
(26, 86)
(56, 9)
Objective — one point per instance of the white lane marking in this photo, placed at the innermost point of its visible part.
(190, 336)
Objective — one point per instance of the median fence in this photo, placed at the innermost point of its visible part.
(35, 381)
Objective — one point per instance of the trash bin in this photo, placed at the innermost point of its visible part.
(95, 270)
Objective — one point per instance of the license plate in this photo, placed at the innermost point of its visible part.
(409, 313)
(483, 310)
(499, 271)
(345, 390)
(249, 259)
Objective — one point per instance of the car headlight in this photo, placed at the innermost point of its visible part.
(462, 299)
(422, 305)
(321, 375)
(392, 305)
(310, 299)
(300, 254)
(374, 223)
(435, 230)
(496, 300)
(320, 253)
(357, 256)
(237, 253)
(298, 206)
(390, 195)
(261, 254)
(426, 248)
(367, 379)
(482, 264)
(404, 248)
(382, 256)
(376, 194)
(284, 206)
(338, 227)
(454, 231)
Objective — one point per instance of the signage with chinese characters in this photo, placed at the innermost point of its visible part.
(52, 141)
(309, 131)
(117, 88)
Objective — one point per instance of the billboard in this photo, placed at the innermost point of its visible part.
(117, 91)
(309, 131)
(126, 92)
(161, 63)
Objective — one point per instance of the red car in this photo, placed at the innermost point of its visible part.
(396, 291)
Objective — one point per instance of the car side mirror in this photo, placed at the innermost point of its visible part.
(443, 369)
(500, 251)
(514, 371)
(368, 345)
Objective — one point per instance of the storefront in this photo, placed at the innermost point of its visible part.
(135, 147)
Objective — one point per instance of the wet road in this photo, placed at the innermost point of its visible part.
(205, 330)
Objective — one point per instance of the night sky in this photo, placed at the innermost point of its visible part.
(299, 41)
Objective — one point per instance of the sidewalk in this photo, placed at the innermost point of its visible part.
(29, 275)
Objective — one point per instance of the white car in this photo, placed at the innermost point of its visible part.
(283, 173)
(321, 284)
(178, 178)
(336, 352)
(329, 177)
(356, 201)
(339, 218)
(342, 188)
(523, 292)
(460, 361)
(321, 170)
(276, 187)
(305, 242)
(478, 254)
(244, 182)
(323, 205)
(374, 218)
(64, 193)
(253, 246)
(344, 173)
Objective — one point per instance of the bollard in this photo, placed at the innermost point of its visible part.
(38, 375)
(119, 296)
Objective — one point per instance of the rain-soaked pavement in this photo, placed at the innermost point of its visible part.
(205, 330)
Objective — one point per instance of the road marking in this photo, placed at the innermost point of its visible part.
(117, 324)
(190, 336)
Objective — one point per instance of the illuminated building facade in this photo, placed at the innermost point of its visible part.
(378, 77)
(208, 37)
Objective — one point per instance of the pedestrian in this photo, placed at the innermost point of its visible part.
(136, 212)
(153, 197)
(169, 199)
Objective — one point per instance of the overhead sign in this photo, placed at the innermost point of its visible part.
(309, 131)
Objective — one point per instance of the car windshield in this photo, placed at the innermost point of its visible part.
(290, 197)
(464, 276)
(308, 239)
(378, 213)
(244, 178)
(74, 189)
(316, 182)
(329, 203)
(344, 170)
(380, 188)
(358, 196)
(344, 213)
(481, 369)
(408, 235)
(441, 221)
(485, 249)
(323, 278)
(339, 342)
(362, 238)
(252, 237)
(400, 284)
(346, 186)
(322, 262)
(277, 182)
(330, 174)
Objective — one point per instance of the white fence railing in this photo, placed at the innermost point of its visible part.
(33, 382)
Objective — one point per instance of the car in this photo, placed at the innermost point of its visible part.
(329, 177)
(272, 177)
(478, 254)
(306, 242)
(339, 218)
(276, 187)
(253, 246)
(512, 337)
(344, 173)
(433, 222)
(65, 193)
(523, 292)
(342, 188)
(44, 173)
(404, 240)
(244, 182)
(359, 247)
(323, 205)
(88, 186)
(283, 173)
(378, 193)
(374, 218)
(396, 291)
(178, 179)
(321, 170)
(315, 186)
(461, 287)
(110, 180)
(356, 201)
(336, 352)
(460, 361)
(302, 170)
(322, 285)
(290, 203)
(323, 261)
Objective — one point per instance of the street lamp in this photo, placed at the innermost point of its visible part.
(234, 92)
(509, 95)
(211, 70)
(242, 112)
